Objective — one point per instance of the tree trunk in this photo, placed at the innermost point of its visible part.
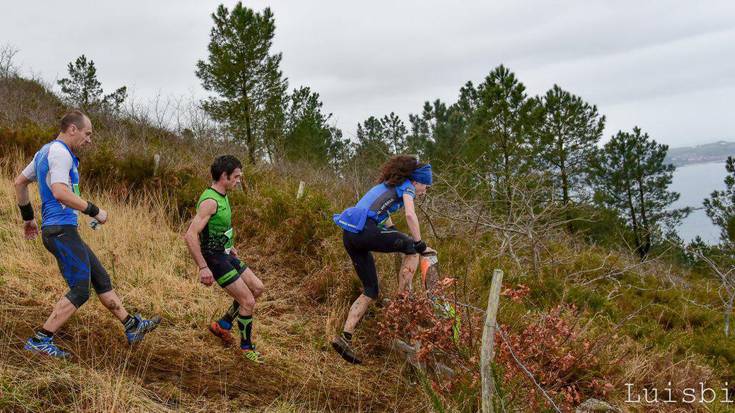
(634, 222)
(644, 219)
(248, 126)
(506, 172)
(564, 185)
(728, 312)
(562, 169)
(249, 137)
(565, 195)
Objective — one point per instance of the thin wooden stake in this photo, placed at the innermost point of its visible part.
(488, 342)
(156, 164)
(300, 193)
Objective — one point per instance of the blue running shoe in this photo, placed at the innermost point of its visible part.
(144, 326)
(45, 346)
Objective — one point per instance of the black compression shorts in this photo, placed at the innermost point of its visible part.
(77, 263)
(225, 268)
(376, 238)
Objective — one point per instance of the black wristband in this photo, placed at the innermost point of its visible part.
(91, 210)
(26, 211)
(419, 246)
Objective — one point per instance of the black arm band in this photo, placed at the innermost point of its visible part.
(91, 210)
(419, 246)
(26, 211)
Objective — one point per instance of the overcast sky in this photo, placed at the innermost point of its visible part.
(666, 66)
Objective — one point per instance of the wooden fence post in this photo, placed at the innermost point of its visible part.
(156, 164)
(488, 342)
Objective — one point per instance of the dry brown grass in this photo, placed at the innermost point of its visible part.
(180, 366)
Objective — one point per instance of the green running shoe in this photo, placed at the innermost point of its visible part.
(252, 355)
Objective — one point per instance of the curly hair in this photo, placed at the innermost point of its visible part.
(398, 169)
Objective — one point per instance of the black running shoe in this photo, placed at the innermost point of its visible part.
(344, 349)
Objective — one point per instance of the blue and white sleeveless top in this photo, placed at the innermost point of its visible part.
(55, 163)
(377, 204)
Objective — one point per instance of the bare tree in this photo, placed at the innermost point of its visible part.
(723, 267)
(7, 66)
(162, 110)
(136, 111)
(198, 121)
(522, 230)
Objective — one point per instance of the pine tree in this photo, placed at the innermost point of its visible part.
(630, 177)
(83, 90)
(246, 77)
(503, 130)
(372, 147)
(437, 134)
(309, 137)
(720, 206)
(569, 135)
(273, 114)
(720, 259)
(394, 132)
(379, 139)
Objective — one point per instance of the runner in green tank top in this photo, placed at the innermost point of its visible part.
(218, 235)
(210, 239)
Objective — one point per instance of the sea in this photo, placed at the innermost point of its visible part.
(694, 183)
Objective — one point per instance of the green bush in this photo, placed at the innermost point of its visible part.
(300, 224)
(29, 138)
(588, 299)
(720, 348)
(188, 186)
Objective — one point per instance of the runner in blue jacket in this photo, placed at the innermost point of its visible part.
(55, 168)
(367, 227)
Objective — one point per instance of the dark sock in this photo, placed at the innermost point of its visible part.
(227, 319)
(245, 323)
(130, 322)
(347, 336)
(43, 334)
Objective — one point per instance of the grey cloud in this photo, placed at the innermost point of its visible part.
(668, 66)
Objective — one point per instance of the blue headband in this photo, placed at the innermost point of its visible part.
(422, 175)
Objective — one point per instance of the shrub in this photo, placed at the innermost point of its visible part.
(28, 138)
(556, 351)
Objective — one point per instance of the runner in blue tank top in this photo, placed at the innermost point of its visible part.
(55, 168)
(367, 227)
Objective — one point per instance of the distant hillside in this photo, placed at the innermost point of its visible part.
(710, 152)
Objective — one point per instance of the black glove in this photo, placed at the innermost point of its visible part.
(419, 246)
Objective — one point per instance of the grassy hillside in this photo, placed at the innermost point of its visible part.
(180, 367)
(585, 317)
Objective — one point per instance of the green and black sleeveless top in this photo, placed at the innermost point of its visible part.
(218, 236)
